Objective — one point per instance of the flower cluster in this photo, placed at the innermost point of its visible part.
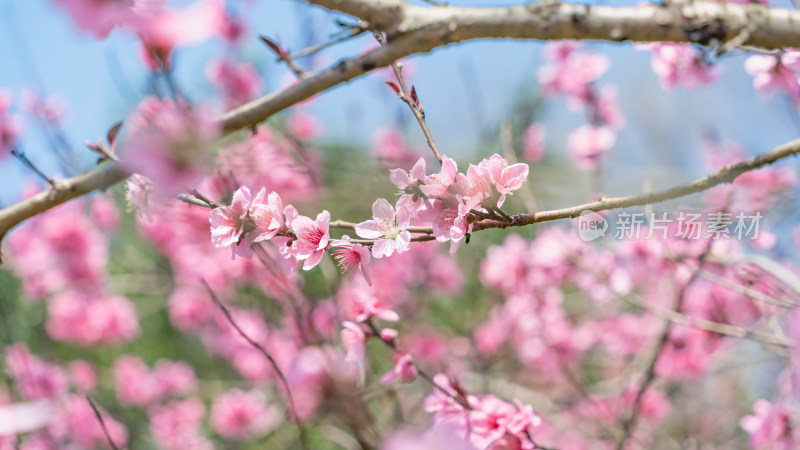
(487, 421)
(573, 72)
(168, 143)
(61, 256)
(443, 200)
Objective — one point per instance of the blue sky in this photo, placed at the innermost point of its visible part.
(103, 80)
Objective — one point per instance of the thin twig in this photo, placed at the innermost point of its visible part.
(21, 156)
(273, 363)
(410, 99)
(353, 32)
(283, 55)
(629, 424)
(102, 423)
(713, 327)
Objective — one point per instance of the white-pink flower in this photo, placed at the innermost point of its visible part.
(313, 237)
(387, 228)
(436, 184)
(246, 214)
(506, 179)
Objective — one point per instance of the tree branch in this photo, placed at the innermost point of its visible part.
(725, 175)
(418, 29)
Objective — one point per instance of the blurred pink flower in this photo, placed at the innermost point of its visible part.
(178, 425)
(304, 125)
(82, 375)
(773, 74)
(241, 415)
(79, 422)
(587, 145)
(190, 308)
(770, 426)
(681, 64)
(534, 142)
(91, 320)
(404, 368)
(34, 378)
(169, 143)
(239, 83)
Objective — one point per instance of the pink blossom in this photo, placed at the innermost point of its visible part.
(436, 185)
(770, 426)
(606, 107)
(363, 305)
(493, 419)
(354, 341)
(587, 145)
(80, 424)
(138, 190)
(242, 415)
(407, 179)
(178, 425)
(304, 125)
(239, 83)
(162, 29)
(82, 375)
(91, 320)
(174, 378)
(387, 228)
(134, 385)
(104, 213)
(313, 237)
(773, 74)
(35, 378)
(168, 143)
(390, 147)
(60, 249)
(190, 308)
(260, 220)
(270, 159)
(50, 110)
(99, 17)
(571, 72)
(680, 64)
(533, 142)
(438, 438)
(404, 368)
(505, 179)
(351, 258)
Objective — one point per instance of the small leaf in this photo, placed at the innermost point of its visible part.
(414, 97)
(394, 86)
(113, 132)
(273, 46)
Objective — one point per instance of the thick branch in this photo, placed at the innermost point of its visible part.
(694, 21)
(64, 190)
